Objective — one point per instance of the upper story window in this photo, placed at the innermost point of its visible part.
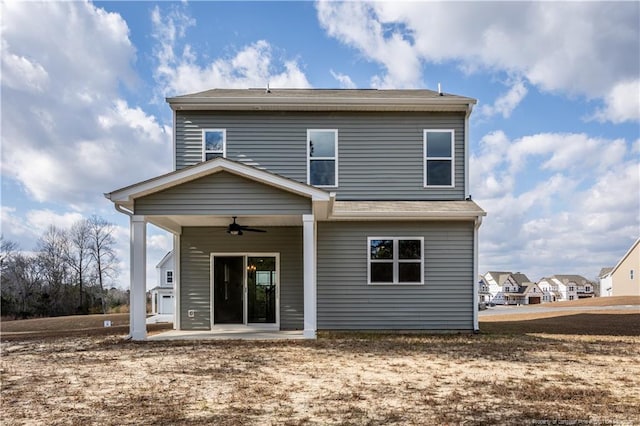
(438, 158)
(631, 274)
(395, 260)
(322, 157)
(169, 277)
(214, 143)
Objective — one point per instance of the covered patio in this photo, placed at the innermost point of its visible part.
(206, 196)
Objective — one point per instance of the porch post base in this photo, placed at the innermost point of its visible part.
(138, 335)
(309, 334)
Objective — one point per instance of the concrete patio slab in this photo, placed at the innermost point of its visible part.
(227, 334)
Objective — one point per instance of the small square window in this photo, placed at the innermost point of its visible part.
(396, 260)
(214, 143)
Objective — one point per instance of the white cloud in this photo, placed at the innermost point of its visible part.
(344, 80)
(255, 65)
(356, 24)
(622, 103)
(507, 102)
(68, 136)
(576, 48)
(583, 208)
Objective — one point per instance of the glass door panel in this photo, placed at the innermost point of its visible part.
(228, 286)
(261, 289)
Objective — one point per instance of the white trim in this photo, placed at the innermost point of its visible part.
(245, 292)
(166, 276)
(173, 141)
(176, 282)
(138, 276)
(334, 158)
(309, 272)
(395, 261)
(452, 158)
(466, 151)
(125, 196)
(224, 143)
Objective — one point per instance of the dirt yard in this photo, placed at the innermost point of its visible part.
(519, 375)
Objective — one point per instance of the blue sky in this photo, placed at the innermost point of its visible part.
(554, 139)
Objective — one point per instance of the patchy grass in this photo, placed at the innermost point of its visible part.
(518, 376)
(76, 325)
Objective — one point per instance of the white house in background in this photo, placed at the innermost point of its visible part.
(606, 282)
(508, 288)
(162, 296)
(622, 279)
(566, 287)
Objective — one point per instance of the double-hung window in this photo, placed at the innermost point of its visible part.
(169, 277)
(395, 260)
(439, 158)
(214, 143)
(322, 157)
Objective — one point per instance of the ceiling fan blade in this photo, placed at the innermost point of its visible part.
(244, 228)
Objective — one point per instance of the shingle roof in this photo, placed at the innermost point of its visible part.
(323, 93)
(321, 100)
(578, 279)
(605, 271)
(499, 276)
(520, 278)
(404, 209)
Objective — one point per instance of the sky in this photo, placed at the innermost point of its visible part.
(554, 138)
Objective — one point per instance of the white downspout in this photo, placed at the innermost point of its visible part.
(476, 324)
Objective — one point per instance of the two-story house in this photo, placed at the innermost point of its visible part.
(508, 288)
(567, 287)
(622, 279)
(314, 209)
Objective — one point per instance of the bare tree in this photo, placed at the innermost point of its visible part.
(78, 255)
(23, 282)
(52, 259)
(7, 251)
(102, 251)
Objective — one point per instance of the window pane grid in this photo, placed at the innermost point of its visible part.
(214, 143)
(322, 157)
(391, 269)
(439, 158)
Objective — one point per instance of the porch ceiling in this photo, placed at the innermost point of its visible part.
(173, 223)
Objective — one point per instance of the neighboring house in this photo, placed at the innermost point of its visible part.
(622, 279)
(162, 296)
(567, 287)
(606, 282)
(508, 288)
(363, 194)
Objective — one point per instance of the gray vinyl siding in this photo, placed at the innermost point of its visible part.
(196, 246)
(222, 194)
(346, 301)
(380, 155)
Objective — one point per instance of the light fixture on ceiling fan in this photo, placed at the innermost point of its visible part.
(236, 229)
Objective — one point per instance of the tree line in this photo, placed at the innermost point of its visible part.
(69, 272)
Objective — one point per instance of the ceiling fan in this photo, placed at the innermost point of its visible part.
(236, 229)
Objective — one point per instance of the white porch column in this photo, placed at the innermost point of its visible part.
(309, 261)
(138, 288)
